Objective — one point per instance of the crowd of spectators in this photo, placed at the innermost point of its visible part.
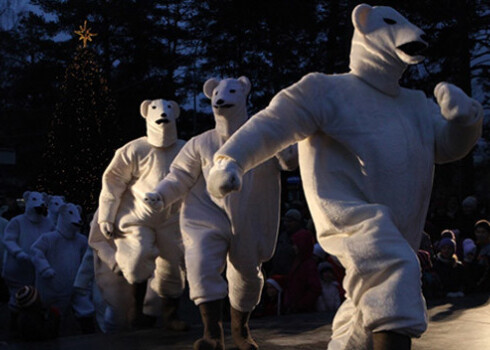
(302, 277)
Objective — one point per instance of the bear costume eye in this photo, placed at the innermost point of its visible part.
(216, 92)
(169, 106)
(232, 91)
(389, 21)
(154, 107)
(70, 212)
(34, 199)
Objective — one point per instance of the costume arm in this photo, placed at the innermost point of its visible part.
(293, 114)
(104, 248)
(38, 257)
(458, 123)
(115, 181)
(11, 237)
(184, 172)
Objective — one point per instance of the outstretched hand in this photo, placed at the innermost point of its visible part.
(224, 177)
(154, 200)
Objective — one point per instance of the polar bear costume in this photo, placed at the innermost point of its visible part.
(239, 231)
(57, 256)
(140, 236)
(138, 242)
(54, 205)
(367, 149)
(20, 233)
(116, 311)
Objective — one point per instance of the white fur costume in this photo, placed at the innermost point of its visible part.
(240, 229)
(367, 150)
(117, 294)
(57, 255)
(19, 235)
(139, 235)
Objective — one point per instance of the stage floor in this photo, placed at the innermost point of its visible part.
(455, 324)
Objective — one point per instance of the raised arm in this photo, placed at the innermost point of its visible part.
(293, 114)
(460, 126)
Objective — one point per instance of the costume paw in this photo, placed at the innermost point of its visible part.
(22, 256)
(107, 229)
(48, 273)
(224, 177)
(154, 200)
(455, 104)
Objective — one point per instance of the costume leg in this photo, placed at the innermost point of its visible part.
(136, 253)
(118, 294)
(169, 280)
(382, 282)
(245, 283)
(205, 259)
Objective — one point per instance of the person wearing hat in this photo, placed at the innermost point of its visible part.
(271, 301)
(291, 222)
(482, 234)
(329, 299)
(448, 268)
(35, 322)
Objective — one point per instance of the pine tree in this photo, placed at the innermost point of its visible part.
(82, 135)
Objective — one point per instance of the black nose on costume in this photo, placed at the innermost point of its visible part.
(163, 114)
(220, 102)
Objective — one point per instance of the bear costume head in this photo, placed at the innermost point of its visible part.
(35, 205)
(69, 220)
(229, 103)
(383, 45)
(54, 205)
(161, 116)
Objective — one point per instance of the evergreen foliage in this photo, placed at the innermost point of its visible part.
(82, 135)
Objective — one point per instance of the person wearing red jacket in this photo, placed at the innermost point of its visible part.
(303, 286)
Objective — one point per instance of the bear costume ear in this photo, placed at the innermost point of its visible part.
(144, 108)
(246, 84)
(360, 17)
(209, 86)
(175, 108)
(79, 208)
(26, 195)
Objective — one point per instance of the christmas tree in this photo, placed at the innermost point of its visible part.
(83, 131)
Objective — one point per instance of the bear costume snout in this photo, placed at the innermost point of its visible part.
(414, 48)
(41, 210)
(162, 121)
(220, 104)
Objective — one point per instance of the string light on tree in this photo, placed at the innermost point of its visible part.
(85, 34)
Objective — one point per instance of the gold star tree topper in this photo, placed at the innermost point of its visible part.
(85, 34)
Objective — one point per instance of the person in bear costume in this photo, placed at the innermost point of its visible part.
(367, 149)
(139, 243)
(56, 256)
(20, 233)
(54, 205)
(238, 232)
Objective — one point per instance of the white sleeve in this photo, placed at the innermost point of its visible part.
(293, 114)
(455, 139)
(115, 181)
(184, 172)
